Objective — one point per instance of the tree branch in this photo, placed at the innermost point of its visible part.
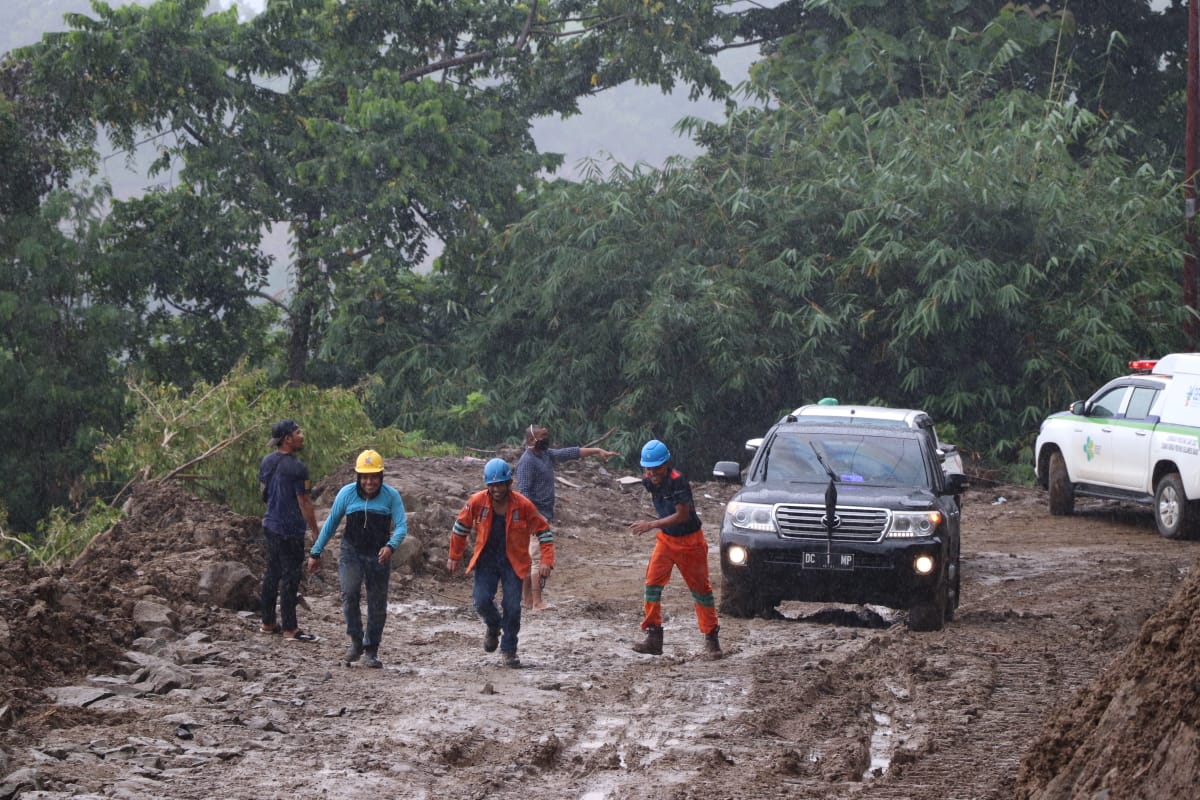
(216, 448)
(475, 58)
(272, 299)
(600, 439)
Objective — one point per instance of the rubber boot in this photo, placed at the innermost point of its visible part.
(371, 658)
(653, 642)
(712, 646)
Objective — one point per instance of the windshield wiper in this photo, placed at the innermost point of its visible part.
(830, 520)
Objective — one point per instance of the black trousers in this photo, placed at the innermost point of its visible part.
(285, 557)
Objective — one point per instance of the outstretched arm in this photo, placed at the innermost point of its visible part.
(584, 452)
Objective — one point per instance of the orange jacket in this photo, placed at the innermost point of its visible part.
(522, 523)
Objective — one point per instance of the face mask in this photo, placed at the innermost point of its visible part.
(541, 444)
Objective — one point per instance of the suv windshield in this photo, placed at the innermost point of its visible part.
(792, 458)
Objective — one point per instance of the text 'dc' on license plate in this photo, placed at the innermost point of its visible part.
(828, 561)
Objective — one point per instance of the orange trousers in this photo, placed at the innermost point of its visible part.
(690, 554)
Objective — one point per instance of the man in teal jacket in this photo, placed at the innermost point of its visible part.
(375, 527)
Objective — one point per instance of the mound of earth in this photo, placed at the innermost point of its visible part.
(1134, 732)
(60, 623)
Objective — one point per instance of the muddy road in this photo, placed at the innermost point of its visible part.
(824, 702)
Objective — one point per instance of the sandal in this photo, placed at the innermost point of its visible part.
(276, 628)
(300, 636)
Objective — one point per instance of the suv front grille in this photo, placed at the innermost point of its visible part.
(856, 524)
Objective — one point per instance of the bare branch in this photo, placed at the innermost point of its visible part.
(600, 439)
(216, 448)
(272, 299)
(475, 58)
(195, 134)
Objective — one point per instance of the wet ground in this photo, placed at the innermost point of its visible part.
(825, 702)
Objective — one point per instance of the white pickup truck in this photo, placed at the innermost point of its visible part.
(1136, 439)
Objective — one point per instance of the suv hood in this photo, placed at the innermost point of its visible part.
(849, 494)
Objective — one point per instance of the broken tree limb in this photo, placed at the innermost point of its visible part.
(597, 441)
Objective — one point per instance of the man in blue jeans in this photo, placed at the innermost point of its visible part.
(283, 479)
(503, 523)
(375, 527)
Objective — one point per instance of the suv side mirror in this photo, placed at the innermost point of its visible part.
(956, 483)
(727, 471)
(1079, 408)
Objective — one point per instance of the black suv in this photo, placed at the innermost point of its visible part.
(844, 514)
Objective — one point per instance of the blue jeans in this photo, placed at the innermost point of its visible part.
(356, 567)
(508, 619)
(285, 555)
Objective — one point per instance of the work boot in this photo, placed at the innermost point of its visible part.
(653, 642)
(712, 646)
(491, 640)
(510, 660)
(371, 658)
(355, 652)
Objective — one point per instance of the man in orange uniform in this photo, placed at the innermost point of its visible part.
(504, 522)
(680, 543)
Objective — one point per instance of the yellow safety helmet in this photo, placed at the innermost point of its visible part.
(369, 463)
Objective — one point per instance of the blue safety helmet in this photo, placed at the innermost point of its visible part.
(497, 471)
(655, 454)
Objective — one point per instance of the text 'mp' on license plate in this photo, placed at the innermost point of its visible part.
(828, 561)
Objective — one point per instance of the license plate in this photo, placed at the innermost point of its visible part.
(828, 561)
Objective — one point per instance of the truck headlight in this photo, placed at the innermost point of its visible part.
(755, 517)
(913, 524)
(923, 565)
(737, 555)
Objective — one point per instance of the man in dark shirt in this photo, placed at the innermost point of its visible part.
(680, 543)
(535, 480)
(285, 488)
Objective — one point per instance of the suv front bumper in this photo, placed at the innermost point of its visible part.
(811, 570)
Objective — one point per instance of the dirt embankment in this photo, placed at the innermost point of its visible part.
(1070, 668)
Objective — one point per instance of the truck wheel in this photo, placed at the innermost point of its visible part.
(1174, 514)
(736, 601)
(930, 616)
(1062, 491)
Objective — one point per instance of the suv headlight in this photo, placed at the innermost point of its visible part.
(914, 524)
(754, 517)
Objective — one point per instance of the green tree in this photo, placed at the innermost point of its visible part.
(371, 128)
(187, 268)
(953, 252)
(58, 342)
(59, 350)
(1116, 58)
